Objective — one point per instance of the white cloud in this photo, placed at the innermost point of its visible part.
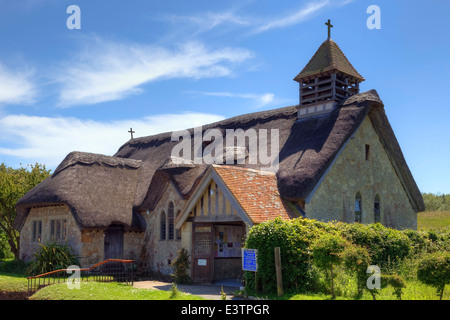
(209, 20)
(299, 16)
(260, 100)
(111, 71)
(48, 140)
(16, 87)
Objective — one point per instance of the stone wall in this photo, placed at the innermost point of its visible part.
(92, 247)
(87, 245)
(334, 199)
(28, 246)
(157, 253)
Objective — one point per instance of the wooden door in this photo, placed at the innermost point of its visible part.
(114, 242)
(202, 257)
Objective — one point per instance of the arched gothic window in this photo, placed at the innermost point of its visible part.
(162, 224)
(376, 209)
(178, 231)
(171, 214)
(358, 207)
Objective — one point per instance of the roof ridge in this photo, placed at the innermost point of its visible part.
(234, 167)
(87, 158)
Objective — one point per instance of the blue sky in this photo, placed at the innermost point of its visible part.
(159, 66)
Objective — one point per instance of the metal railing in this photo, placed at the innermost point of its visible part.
(117, 270)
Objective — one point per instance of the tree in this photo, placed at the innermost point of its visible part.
(356, 259)
(434, 270)
(181, 266)
(14, 183)
(326, 252)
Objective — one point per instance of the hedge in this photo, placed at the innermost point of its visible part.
(295, 237)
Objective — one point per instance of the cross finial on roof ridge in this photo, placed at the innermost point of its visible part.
(131, 131)
(329, 28)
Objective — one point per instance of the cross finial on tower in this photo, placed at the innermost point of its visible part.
(131, 131)
(329, 28)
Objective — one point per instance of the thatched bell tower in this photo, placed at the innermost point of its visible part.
(327, 79)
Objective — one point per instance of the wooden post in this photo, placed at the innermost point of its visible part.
(278, 271)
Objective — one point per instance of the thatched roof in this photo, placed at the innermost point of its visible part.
(100, 189)
(329, 57)
(307, 147)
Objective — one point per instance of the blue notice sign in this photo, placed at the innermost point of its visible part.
(250, 259)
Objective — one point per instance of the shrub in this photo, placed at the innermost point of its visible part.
(356, 259)
(294, 238)
(52, 256)
(326, 252)
(434, 270)
(384, 244)
(13, 266)
(181, 266)
(394, 281)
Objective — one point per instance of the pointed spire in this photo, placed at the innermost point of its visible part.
(329, 57)
(327, 79)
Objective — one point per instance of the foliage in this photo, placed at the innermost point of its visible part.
(181, 266)
(174, 292)
(396, 281)
(52, 256)
(372, 244)
(428, 241)
(356, 259)
(14, 183)
(294, 238)
(434, 270)
(13, 266)
(5, 249)
(327, 254)
(436, 202)
(384, 244)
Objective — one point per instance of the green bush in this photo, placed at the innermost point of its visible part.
(356, 259)
(5, 249)
(371, 244)
(395, 281)
(384, 244)
(52, 256)
(13, 266)
(181, 266)
(327, 255)
(434, 270)
(428, 241)
(294, 238)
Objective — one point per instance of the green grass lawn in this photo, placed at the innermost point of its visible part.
(414, 290)
(106, 291)
(437, 220)
(13, 282)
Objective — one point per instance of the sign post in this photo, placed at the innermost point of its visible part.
(250, 262)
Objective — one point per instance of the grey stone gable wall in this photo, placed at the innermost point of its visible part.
(334, 197)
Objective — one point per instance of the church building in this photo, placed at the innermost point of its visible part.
(338, 159)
